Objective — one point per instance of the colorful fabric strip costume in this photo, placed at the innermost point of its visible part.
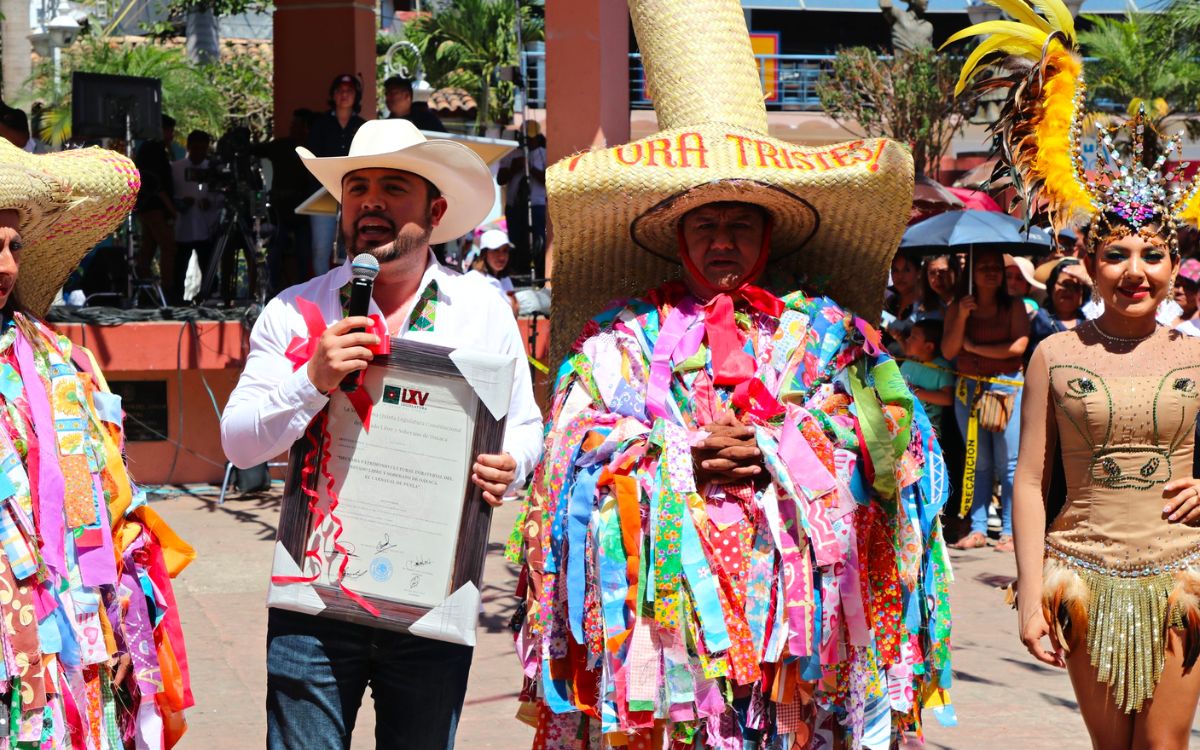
(756, 614)
(86, 564)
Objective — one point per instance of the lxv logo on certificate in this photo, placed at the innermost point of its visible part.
(394, 394)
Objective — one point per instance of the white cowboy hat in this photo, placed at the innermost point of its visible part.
(461, 176)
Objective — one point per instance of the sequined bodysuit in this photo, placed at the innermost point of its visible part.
(1125, 417)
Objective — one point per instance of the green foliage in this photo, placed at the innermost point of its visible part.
(245, 85)
(467, 44)
(188, 95)
(213, 97)
(220, 7)
(909, 98)
(1144, 57)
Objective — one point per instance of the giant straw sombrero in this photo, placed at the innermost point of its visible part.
(839, 211)
(66, 203)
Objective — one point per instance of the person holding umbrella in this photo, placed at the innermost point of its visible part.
(983, 334)
(987, 332)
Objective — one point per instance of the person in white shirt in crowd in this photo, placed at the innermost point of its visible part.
(399, 193)
(198, 209)
(14, 127)
(488, 263)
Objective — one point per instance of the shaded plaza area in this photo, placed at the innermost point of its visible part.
(1003, 698)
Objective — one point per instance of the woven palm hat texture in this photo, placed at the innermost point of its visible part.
(66, 202)
(838, 211)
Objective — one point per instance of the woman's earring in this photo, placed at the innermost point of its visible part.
(1095, 295)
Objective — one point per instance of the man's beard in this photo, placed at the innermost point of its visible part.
(410, 238)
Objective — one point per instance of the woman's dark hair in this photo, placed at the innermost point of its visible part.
(1003, 298)
(503, 272)
(358, 91)
(1052, 281)
(930, 300)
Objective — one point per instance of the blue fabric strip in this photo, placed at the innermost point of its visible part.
(613, 584)
(582, 496)
(554, 692)
(699, 577)
(108, 406)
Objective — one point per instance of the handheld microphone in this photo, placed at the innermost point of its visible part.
(364, 268)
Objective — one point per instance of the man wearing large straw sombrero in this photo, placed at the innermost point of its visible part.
(732, 540)
(398, 193)
(90, 659)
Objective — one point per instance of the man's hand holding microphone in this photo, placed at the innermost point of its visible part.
(343, 349)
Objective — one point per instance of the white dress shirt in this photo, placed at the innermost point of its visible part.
(272, 405)
(195, 222)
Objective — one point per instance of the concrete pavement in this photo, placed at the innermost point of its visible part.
(1004, 699)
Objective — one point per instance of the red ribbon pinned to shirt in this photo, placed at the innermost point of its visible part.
(301, 350)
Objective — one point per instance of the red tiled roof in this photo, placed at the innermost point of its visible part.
(452, 101)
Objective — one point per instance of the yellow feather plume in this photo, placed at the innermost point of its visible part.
(1059, 16)
(1031, 34)
(992, 44)
(1188, 209)
(1038, 128)
(1021, 11)
(1055, 163)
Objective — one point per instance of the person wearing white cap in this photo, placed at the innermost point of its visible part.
(488, 263)
(398, 193)
(1022, 285)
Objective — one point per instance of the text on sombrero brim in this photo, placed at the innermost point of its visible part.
(690, 150)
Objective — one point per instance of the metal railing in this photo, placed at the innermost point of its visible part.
(789, 81)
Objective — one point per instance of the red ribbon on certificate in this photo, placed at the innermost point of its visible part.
(317, 430)
(300, 351)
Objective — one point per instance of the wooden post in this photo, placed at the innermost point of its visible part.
(316, 40)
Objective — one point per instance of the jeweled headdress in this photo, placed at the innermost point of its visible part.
(1039, 132)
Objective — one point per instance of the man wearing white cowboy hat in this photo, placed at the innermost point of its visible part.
(398, 192)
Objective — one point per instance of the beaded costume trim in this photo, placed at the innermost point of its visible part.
(1182, 563)
(1128, 614)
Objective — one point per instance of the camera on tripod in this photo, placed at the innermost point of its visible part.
(234, 171)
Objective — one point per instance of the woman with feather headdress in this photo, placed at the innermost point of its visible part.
(1115, 581)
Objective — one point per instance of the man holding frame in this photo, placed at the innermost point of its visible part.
(398, 193)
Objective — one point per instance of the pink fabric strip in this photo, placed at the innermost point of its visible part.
(807, 472)
(670, 336)
(98, 565)
(851, 585)
(51, 488)
(797, 581)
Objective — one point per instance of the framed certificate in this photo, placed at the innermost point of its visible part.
(380, 513)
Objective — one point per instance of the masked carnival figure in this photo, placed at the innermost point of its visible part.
(92, 650)
(733, 539)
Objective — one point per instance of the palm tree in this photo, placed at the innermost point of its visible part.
(187, 90)
(1141, 59)
(468, 43)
